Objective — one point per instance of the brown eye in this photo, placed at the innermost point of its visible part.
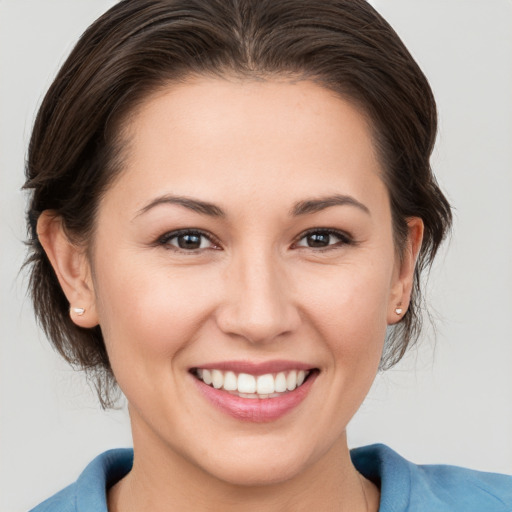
(318, 240)
(322, 238)
(187, 240)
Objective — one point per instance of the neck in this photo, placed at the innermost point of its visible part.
(163, 480)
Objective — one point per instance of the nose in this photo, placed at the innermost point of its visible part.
(258, 304)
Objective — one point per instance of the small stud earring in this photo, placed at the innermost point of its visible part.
(398, 310)
(79, 311)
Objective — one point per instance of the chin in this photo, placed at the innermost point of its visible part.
(250, 473)
(266, 462)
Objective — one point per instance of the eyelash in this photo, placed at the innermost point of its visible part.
(165, 240)
(344, 239)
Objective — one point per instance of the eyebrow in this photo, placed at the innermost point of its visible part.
(316, 205)
(196, 205)
(305, 207)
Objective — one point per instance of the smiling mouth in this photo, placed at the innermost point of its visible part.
(246, 385)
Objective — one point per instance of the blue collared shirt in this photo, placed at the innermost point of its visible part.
(405, 487)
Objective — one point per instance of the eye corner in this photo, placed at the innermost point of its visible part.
(194, 247)
(322, 237)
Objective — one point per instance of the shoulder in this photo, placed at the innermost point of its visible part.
(89, 492)
(63, 501)
(409, 487)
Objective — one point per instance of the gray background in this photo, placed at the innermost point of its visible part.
(449, 401)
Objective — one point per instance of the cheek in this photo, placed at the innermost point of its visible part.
(148, 313)
(349, 307)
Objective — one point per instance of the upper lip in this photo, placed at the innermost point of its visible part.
(255, 368)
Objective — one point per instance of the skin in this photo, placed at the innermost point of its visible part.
(258, 292)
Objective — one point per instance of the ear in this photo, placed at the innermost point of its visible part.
(71, 265)
(404, 276)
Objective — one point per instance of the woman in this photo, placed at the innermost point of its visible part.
(232, 204)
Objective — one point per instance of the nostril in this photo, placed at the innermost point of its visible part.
(257, 305)
(257, 326)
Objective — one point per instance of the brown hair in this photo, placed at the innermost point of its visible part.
(140, 45)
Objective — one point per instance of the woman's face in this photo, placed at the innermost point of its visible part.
(249, 233)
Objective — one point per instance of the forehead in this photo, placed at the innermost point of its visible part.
(258, 138)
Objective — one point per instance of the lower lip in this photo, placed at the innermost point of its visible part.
(256, 410)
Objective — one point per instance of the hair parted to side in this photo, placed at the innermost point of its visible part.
(139, 46)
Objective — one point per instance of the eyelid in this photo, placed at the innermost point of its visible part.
(163, 240)
(345, 238)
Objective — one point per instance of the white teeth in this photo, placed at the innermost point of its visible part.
(250, 386)
(207, 377)
(265, 384)
(280, 384)
(246, 383)
(230, 382)
(217, 379)
(291, 381)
